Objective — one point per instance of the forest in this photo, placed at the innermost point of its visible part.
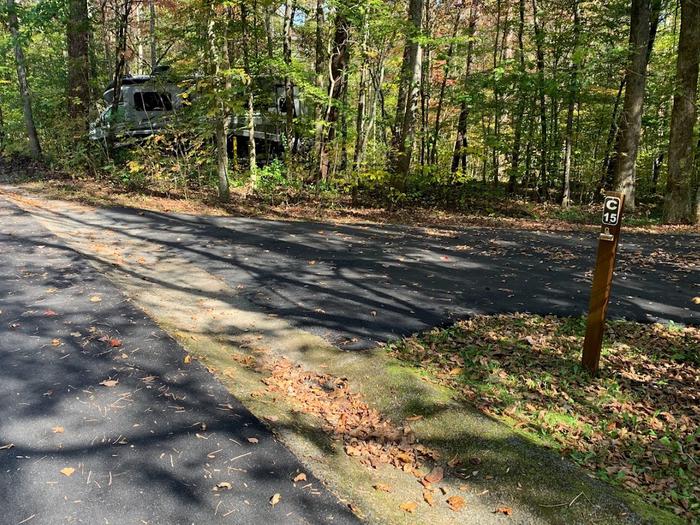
(405, 102)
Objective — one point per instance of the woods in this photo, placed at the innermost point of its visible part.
(396, 102)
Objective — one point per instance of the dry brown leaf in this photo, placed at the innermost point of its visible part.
(696, 300)
(275, 499)
(299, 477)
(187, 360)
(115, 343)
(252, 440)
(68, 471)
(414, 418)
(504, 510)
(55, 342)
(454, 462)
(58, 430)
(109, 382)
(222, 485)
(95, 299)
(382, 487)
(456, 371)
(428, 497)
(409, 506)
(435, 475)
(456, 503)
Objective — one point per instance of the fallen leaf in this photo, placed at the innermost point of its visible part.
(456, 371)
(275, 499)
(115, 343)
(187, 360)
(696, 300)
(382, 487)
(299, 477)
(435, 475)
(109, 382)
(222, 485)
(68, 471)
(456, 503)
(414, 418)
(7, 447)
(55, 342)
(50, 313)
(252, 440)
(504, 510)
(95, 299)
(428, 497)
(454, 462)
(409, 506)
(58, 430)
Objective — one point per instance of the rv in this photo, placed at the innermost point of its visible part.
(150, 103)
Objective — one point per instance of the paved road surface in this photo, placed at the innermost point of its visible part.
(356, 284)
(148, 449)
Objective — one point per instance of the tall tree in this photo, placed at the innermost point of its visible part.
(13, 23)
(220, 117)
(337, 87)
(78, 37)
(572, 94)
(409, 92)
(635, 83)
(678, 200)
(539, 46)
(459, 155)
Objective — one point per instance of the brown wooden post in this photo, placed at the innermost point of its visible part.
(602, 279)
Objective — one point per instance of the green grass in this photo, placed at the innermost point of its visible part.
(636, 425)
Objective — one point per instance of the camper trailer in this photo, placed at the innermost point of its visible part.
(149, 103)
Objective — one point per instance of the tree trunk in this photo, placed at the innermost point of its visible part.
(13, 23)
(432, 150)
(289, 8)
(518, 125)
(573, 93)
(337, 86)
(152, 34)
(539, 41)
(634, 100)
(220, 118)
(459, 155)
(252, 153)
(360, 128)
(411, 77)
(678, 199)
(78, 37)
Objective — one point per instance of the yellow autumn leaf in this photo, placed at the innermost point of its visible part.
(68, 471)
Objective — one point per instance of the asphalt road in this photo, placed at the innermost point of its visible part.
(359, 284)
(89, 384)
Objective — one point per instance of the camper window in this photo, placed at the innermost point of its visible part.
(152, 101)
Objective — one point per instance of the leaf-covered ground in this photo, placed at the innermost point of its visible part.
(635, 425)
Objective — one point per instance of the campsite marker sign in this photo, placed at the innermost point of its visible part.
(602, 279)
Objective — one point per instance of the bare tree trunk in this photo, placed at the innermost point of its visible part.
(461, 142)
(78, 37)
(221, 119)
(120, 54)
(152, 34)
(411, 77)
(289, 8)
(12, 22)
(678, 199)
(634, 101)
(539, 41)
(573, 93)
(337, 86)
(360, 128)
(432, 147)
(252, 153)
(518, 124)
